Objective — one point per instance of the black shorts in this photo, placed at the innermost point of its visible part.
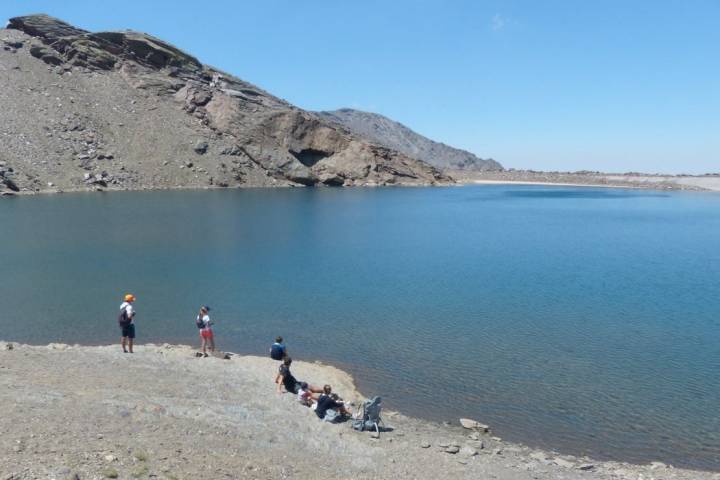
(128, 331)
(294, 388)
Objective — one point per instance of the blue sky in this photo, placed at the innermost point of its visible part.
(550, 85)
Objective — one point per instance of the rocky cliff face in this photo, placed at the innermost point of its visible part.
(391, 134)
(126, 110)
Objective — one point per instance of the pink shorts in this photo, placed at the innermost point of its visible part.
(206, 333)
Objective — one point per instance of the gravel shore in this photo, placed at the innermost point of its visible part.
(710, 182)
(80, 412)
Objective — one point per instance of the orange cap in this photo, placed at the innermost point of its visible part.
(129, 297)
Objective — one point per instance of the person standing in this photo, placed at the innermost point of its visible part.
(206, 334)
(127, 323)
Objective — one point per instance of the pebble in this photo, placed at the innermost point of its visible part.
(452, 449)
(425, 445)
(586, 466)
(110, 458)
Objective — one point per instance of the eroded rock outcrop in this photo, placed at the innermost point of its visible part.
(149, 115)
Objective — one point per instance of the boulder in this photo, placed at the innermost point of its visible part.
(13, 44)
(473, 425)
(331, 180)
(45, 55)
(468, 451)
(201, 148)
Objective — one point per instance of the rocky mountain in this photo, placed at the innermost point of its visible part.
(125, 110)
(396, 136)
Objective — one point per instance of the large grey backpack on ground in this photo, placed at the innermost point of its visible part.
(369, 416)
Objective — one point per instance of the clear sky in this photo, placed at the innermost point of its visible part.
(630, 85)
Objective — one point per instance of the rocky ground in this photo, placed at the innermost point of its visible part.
(124, 110)
(709, 182)
(71, 412)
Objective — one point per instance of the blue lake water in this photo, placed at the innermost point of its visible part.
(576, 319)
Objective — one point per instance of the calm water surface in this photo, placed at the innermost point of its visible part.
(581, 320)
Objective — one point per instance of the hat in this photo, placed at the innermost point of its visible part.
(206, 308)
(129, 297)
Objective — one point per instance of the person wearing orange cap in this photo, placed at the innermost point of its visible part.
(127, 325)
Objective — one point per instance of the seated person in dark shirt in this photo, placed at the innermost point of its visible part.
(330, 401)
(286, 379)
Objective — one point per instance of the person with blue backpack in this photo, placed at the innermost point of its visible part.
(278, 350)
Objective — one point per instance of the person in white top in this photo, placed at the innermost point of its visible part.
(206, 334)
(127, 323)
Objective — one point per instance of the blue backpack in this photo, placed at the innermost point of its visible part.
(277, 351)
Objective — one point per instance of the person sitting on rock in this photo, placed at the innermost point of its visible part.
(278, 350)
(285, 378)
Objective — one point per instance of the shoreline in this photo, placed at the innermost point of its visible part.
(413, 446)
(552, 184)
(658, 182)
(616, 181)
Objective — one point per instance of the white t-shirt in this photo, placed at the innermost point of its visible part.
(129, 310)
(206, 321)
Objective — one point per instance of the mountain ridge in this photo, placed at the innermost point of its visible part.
(393, 134)
(126, 110)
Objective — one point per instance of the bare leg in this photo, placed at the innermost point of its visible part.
(212, 343)
(203, 345)
(315, 389)
(122, 342)
(130, 344)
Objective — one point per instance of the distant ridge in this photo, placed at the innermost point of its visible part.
(391, 134)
